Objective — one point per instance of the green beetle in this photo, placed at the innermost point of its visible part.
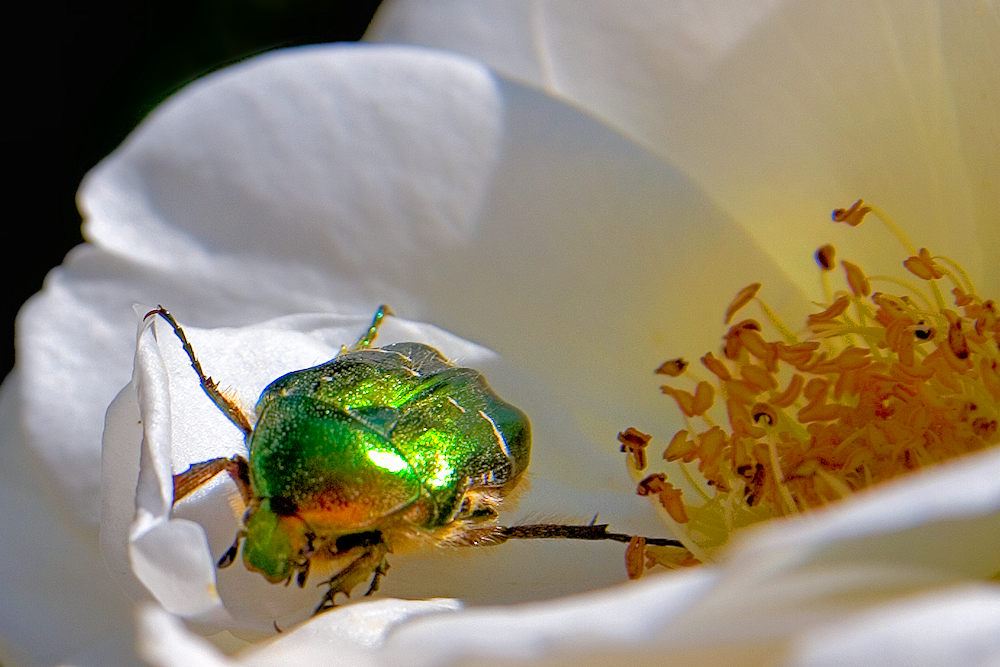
(377, 450)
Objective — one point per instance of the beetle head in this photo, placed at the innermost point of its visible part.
(275, 544)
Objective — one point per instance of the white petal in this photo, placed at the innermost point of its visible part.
(782, 583)
(163, 640)
(698, 616)
(542, 294)
(954, 626)
(53, 578)
(352, 636)
(169, 555)
(765, 605)
(369, 175)
(937, 499)
(779, 110)
(778, 591)
(483, 201)
(304, 166)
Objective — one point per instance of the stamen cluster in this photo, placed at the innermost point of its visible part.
(877, 384)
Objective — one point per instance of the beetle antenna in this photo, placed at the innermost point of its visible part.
(210, 386)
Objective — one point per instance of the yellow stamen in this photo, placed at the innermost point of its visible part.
(715, 366)
(668, 496)
(835, 310)
(856, 279)
(826, 256)
(853, 215)
(634, 442)
(672, 367)
(681, 448)
(635, 557)
(923, 266)
(744, 297)
(902, 382)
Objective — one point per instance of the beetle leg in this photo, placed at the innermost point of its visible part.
(300, 578)
(591, 531)
(371, 563)
(380, 571)
(199, 473)
(210, 386)
(371, 333)
(227, 558)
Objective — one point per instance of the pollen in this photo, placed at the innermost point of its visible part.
(634, 443)
(825, 257)
(635, 557)
(672, 367)
(853, 215)
(744, 297)
(668, 496)
(878, 381)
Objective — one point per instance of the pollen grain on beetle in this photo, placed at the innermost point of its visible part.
(877, 383)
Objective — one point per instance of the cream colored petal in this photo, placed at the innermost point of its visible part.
(368, 175)
(59, 603)
(780, 110)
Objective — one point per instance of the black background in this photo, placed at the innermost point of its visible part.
(81, 76)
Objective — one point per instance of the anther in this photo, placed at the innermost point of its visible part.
(852, 216)
(826, 256)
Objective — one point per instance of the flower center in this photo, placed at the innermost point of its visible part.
(877, 384)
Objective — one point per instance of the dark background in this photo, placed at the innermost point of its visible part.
(81, 76)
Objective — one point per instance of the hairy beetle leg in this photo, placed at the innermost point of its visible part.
(227, 405)
(541, 531)
(198, 473)
(371, 563)
(380, 571)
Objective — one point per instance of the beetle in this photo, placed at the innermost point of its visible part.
(378, 449)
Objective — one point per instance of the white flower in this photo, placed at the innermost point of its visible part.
(584, 208)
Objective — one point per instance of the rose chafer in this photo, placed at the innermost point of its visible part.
(379, 449)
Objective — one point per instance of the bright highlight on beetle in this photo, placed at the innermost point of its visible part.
(878, 383)
(379, 450)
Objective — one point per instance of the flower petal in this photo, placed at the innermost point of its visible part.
(367, 175)
(778, 110)
(958, 626)
(160, 545)
(168, 555)
(785, 590)
(385, 234)
(693, 617)
(943, 518)
(163, 640)
(50, 566)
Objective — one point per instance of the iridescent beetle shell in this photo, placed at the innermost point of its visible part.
(395, 441)
(377, 450)
(370, 452)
